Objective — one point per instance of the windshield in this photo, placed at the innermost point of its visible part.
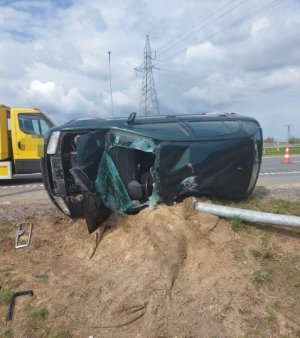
(36, 124)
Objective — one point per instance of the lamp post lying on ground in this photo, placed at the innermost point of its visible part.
(248, 215)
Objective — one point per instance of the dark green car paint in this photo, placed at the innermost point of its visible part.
(122, 166)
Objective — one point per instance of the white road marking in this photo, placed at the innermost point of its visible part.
(22, 186)
(281, 156)
(281, 173)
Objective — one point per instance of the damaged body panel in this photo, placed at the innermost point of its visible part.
(95, 167)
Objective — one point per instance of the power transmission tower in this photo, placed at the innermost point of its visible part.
(148, 100)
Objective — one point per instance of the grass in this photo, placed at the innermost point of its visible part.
(263, 276)
(253, 202)
(244, 311)
(266, 254)
(259, 204)
(36, 317)
(286, 207)
(256, 253)
(288, 271)
(237, 224)
(266, 259)
(276, 278)
(8, 333)
(5, 296)
(61, 334)
(272, 317)
(282, 207)
(5, 226)
(228, 307)
(272, 265)
(273, 151)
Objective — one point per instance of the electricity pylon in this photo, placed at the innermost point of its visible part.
(148, 100)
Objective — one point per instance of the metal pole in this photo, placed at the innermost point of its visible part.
(111, 98)
(288, 133)
(249, 215)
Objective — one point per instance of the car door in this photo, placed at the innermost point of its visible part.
(28, 128)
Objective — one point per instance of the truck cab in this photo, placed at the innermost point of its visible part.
(22, 133)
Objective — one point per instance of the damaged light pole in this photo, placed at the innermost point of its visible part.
(249, 215)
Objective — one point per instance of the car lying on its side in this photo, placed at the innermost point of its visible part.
(93, 167)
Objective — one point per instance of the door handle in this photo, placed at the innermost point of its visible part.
(19, 145)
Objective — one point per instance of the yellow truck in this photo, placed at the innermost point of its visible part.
(22, 133)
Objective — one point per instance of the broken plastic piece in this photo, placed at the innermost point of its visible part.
(12, 302)
(42, 277)
(20, 232)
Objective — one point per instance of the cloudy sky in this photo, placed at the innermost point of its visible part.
(239, 56)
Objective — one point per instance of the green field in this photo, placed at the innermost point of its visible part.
(273, 151)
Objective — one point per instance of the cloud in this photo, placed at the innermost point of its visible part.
(54, 54)
(13, 20)
(218, 92)
(119, 99)
(58, 100)
(258, 27)
(43, 88)
(204, 53)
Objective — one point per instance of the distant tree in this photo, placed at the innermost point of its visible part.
(294, 140)
(269, 140)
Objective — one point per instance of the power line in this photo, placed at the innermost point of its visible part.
(245, 18)
(203, 20)
(189, 35)
(244, 84)
(258, 11)
(253, 14)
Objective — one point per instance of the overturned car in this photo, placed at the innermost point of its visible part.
(94, 167)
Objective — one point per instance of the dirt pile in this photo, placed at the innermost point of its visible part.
(162, 273)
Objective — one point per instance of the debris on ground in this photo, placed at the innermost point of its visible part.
(12, 300)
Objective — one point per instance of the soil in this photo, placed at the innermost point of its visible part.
(167, 272)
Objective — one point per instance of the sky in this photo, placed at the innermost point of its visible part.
(240, 56)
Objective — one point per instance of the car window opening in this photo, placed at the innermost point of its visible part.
(113, 165)
(124, 178)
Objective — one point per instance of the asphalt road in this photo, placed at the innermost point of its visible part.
(274, 172)
(23, 188)
(30, 187)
